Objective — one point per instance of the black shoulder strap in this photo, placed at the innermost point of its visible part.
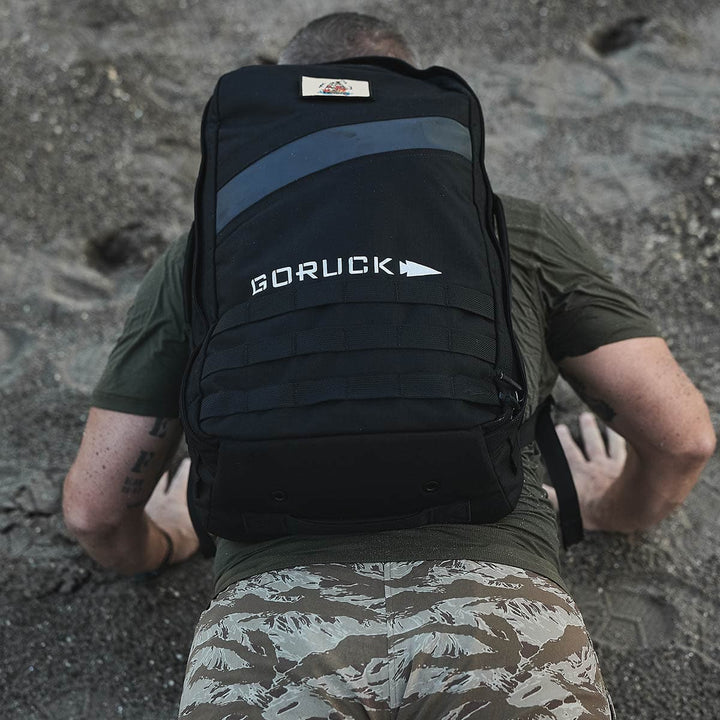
(540, 426)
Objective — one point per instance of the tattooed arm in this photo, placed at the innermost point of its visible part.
(639, 390)
(110, 500)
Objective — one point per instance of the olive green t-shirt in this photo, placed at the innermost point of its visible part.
(564, 305)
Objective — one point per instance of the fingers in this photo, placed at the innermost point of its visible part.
(176, 482)
(179, 480)
(164, 481)
(573, 453)
(617, 448)
(591, 436)
(183, 471)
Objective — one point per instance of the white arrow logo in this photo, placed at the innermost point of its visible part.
(413, 269)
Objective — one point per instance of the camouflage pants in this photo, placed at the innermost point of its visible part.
(445, 640)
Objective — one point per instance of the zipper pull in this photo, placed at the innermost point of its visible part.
(509, 398)
(514, 396)
(500, 376)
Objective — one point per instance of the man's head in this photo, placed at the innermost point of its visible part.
(344, 35)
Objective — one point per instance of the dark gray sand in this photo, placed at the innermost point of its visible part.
(606, 109)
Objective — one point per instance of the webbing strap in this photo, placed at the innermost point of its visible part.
(540, 426)
(401, 290)
(370, 387)
(357, 337)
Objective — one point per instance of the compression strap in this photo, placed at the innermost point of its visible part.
(540, 426)
(369, 387)
(390, 290)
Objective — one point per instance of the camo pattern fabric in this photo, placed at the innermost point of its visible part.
(448, 640)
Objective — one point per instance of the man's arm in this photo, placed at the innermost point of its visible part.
(110, 500)
(639, 390)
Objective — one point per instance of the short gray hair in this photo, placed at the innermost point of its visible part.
(344, 35)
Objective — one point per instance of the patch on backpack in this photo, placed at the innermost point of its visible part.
(329, 87)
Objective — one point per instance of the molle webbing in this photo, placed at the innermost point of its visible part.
(348, 339)
(386, 291)
(369, 387)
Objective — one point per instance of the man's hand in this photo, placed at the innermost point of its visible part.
(639, 390)
(167, 508)
(113, 478)
(595, 470)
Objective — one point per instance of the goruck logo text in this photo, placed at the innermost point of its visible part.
(353, 265)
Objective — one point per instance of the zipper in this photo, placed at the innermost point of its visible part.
(497, 229)
(199, 229)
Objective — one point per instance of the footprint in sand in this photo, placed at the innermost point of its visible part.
(628, 617)
(619, 36)
(132, 244)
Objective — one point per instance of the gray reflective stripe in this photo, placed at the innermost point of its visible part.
(371, 387)
(331, 146)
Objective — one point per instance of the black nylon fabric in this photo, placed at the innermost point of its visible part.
(411, 476)
(253, 92)
(323, 149)
(355, 321)
(305, 296)
(345, 338)
(358, 209)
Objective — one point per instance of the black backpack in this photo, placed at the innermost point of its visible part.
(354, 366)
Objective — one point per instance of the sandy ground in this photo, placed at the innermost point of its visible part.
(99, 117)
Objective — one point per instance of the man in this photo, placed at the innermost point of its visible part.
(439, 621)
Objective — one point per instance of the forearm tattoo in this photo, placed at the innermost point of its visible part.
(138, 484)
(144, 459)
(159, 429)
(134, 486)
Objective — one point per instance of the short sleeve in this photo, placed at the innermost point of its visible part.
(145, 368)
(585, 308)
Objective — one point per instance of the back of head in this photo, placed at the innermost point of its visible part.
(344, 35)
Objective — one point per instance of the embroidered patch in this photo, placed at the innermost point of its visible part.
(334, 87)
